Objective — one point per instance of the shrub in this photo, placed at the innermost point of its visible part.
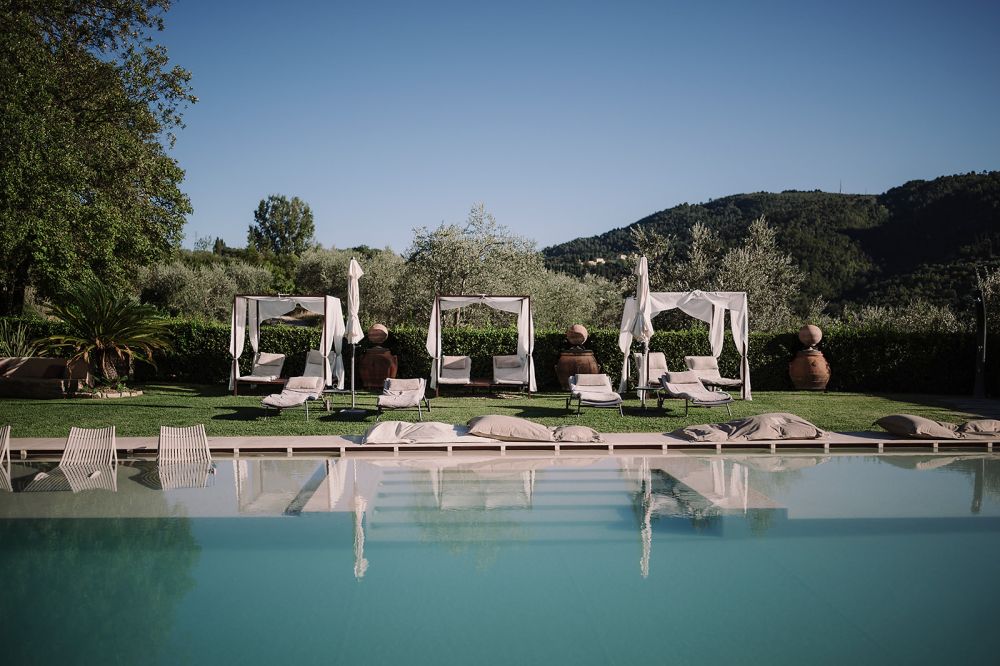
(861, 360)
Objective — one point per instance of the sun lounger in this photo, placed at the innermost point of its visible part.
(89, 462)
(314, 364)
(455, 370)
(688, 386)
(183, 458)
(298, 392)
(403, 394)
(657, 366)
(5, 458)
(510, 370)
(593, 390)
(266, 370)
(707, 369)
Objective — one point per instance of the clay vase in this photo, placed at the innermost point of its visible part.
(577, 334)
(378, 334)
(574, 362)
(376, 365)
(809, 370)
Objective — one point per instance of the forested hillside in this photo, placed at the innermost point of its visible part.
(922, 239)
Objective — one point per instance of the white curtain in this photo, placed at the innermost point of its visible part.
(707, 306)
(333, 337)
(237, 337)
(519, 305)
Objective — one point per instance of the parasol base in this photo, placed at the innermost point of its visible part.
(353, 413)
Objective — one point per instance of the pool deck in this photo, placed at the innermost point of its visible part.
(340, 445)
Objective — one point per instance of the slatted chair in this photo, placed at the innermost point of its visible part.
(183, 457)
(89, 462)
(5, 459)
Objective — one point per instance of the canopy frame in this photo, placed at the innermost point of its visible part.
(525, 327)
(707, 306)
(246, 319)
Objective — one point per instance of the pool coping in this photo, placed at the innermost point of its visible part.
(343, 445)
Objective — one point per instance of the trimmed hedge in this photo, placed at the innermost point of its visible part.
(860, 360)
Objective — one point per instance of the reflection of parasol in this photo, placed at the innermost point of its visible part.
(360, 563)
(647, 517)
(642, 327)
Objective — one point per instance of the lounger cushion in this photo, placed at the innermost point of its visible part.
(509, 429)
(305, 384)
(403, 432)
(507, 362)
(686, 377)
(918, 427)
(402, 400)
(284, 400)
(598, 397)
(396, 385)
(575, 433)
(981, 428)
(762, 427)
(455, 362)
(592, 380)
(701, 362)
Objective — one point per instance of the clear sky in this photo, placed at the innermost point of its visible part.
(569, 118)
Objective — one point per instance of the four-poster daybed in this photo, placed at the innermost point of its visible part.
(250, 310)
(708, 306)
(515, 370)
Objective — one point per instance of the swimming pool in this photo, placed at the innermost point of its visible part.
(527, 559)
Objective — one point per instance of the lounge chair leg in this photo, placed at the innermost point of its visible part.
(685, 407)
(729, 410)
(420, 415)
(427, 404)
(620, 412)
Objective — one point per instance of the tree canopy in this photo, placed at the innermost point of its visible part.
(282, 227)
(89, 105)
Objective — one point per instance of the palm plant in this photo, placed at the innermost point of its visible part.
(107, 330)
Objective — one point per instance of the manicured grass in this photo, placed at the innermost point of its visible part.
(223, 414)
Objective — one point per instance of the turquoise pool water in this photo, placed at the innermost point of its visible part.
(534, 560)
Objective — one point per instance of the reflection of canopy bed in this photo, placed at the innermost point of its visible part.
(519, 371)
(708, 306)
(250, 311)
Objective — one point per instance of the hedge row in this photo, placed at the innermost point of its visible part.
(860, 360)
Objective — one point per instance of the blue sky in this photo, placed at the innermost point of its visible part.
(569, 118)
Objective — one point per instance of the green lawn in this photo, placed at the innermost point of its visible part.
(223, 414)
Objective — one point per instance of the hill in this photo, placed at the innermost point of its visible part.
(923, 238)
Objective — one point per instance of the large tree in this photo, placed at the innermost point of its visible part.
(282, 227)
(88, 104)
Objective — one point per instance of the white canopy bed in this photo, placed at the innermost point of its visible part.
(250, 311)
(707, 306)
(520, 371)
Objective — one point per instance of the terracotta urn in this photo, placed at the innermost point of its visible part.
(809, 370)
(577, 334)
(576, 360)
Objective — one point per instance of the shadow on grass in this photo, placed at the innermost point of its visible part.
(988, 408)
(188, 390)
(240, 414)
